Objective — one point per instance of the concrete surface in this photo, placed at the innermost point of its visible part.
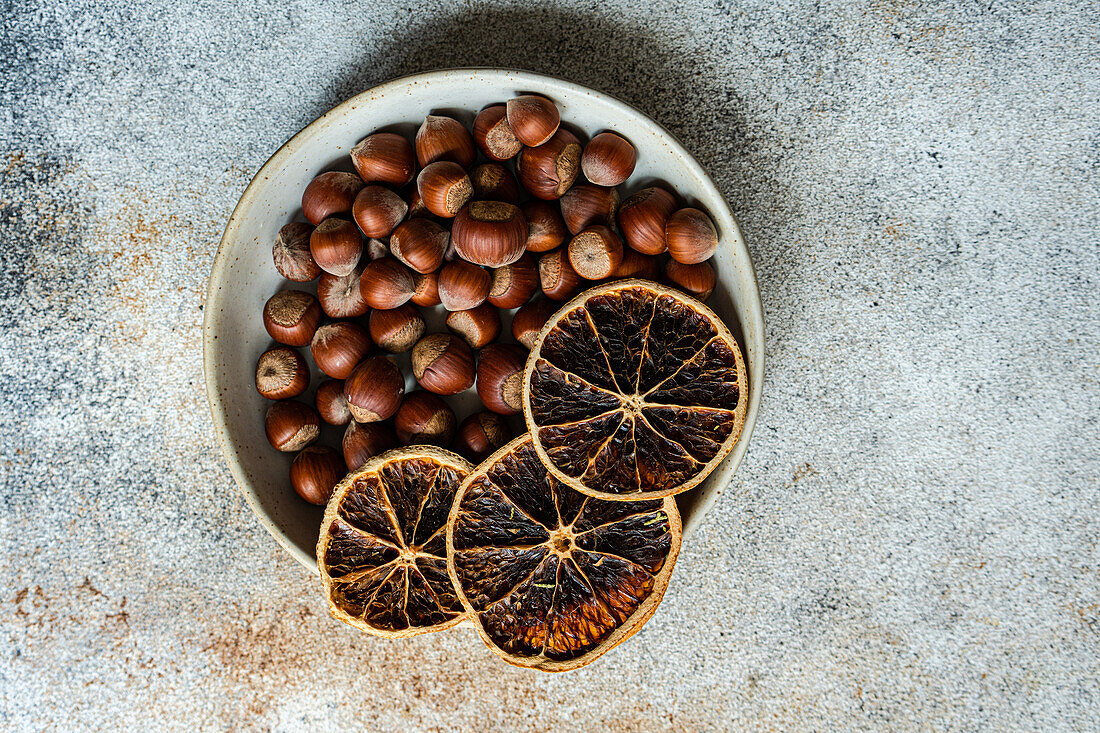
(911, 542)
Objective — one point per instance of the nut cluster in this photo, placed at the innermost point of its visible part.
(516, 214)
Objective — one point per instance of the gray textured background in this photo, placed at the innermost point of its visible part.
(912, 540)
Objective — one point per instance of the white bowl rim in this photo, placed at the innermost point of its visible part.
(755, 368)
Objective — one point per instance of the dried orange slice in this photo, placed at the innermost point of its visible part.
(634, 390)
(383, 551)
(551, 577)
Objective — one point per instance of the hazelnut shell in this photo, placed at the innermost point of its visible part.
(291, 425)
(384, 157)
(478, 326)
(336, 246)
(330, 194)
(493, 136)
(463, 285)
(529, 320)
(338, 347)
(444, 138)
(424, 419)
(500, 378)
(291, 253)
(514, 284)
(546, 229)
(444, 188)
(291, 317)
(442, 363)
(330, 402)
(490, 233)
(363, 441)
(374, 389)
(690, 236)
(340, 295)
(377, 210)
(642, 219)
(481, 434)
(547, 171)
(533, 119)
(315, 473)
(281, 373)
(386, 283)
(397, 330)
(608, 159)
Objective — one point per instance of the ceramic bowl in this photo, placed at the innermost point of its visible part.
(243, 277)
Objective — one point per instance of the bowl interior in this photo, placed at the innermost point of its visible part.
(243, 277)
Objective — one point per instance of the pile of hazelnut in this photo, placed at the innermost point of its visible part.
(478, 237)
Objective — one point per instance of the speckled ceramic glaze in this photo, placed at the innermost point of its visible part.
(243, 276)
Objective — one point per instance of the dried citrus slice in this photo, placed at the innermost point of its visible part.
(383, 551)
(551, 577)
(634, 390)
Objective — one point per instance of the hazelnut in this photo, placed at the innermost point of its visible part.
(491, 233)
(424, 418)
(291, 253)
(500, 378)
(420, 244)
(377, 210)
(557, 277)
(336, 246)
(636, 264)
(463, 285)
(608, 159)
(477, 326)
(330, 402)
(450, 255)
(444, 188)
(364, 441)
(444, 138)
(514, 284)
(338, 347)
(586, 205)
(545, 227)
(281, 373)
(492, 134)
(384, 157)
(291, 317)
(398, 329)
(697, 280)
(690, 236)
(443, 363)
(340, 295)
(315, 473)
(529, 320)
(377, 249)
(411, 196)
(642, 219)
(494, 182)
(533, 119)
(480, 435)
(386, 283)
(595, 252)
(329, 194)
(374, 389)
(426, 291)
(291, 425)
(549, 170)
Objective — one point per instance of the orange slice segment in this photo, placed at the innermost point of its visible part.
(382, 551)
(634, 391)
(551, 577)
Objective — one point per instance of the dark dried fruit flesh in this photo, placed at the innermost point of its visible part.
(554, 578)
(634, 391)
(383, 551)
